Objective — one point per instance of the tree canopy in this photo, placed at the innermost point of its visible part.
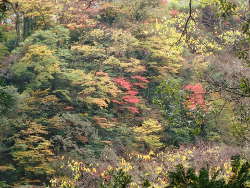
(124, 94)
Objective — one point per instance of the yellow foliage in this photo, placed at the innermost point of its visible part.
(40, 61)
(131, 65)
(96, 89)
(6, 168)
(32, 150)
(87, 50)
(101, 102)
(166, 55)
(43, 9)
(77, 169)
(124, 165)
(149, 133)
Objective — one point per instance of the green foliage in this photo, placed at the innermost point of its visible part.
(74, 135)
(36, 67)
(4, 51)
(241, 175)
(7, 38)
(119, 179)
(163, 56)
(93, 89)
(93, 75)
(3, 184)
(184, 5)
(109, 15)
(8, 99)
(188, 178)
(181, 125)
(55, 38)
(141, 9)
(180, 178)
(226, 7)
(4, 7)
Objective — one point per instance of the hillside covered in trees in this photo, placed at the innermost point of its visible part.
(125, 93)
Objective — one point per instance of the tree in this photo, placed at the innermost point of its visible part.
(120, 179)
(8, 99)
(204, 179)
(37, 67)
(149, 133)
(32, 152)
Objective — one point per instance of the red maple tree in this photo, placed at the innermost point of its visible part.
(197, 96)
(129, 97)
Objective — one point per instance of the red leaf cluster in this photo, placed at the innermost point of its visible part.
(197, 97)
(132, 92)
(123, 83)
(174, 13)
(130, 95)
(131, 99)
(133, 109)
(117, 102)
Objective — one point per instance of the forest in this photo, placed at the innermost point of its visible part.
(125, 93)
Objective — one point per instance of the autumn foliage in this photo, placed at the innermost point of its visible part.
(130, 96)
(104, 93)
(196, 97)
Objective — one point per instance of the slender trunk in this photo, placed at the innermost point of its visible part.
(18, 22)
(18, 28)
(27, 26)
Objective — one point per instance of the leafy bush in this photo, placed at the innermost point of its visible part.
(188, 178)
(8, 99)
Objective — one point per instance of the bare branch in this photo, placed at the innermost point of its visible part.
(190, 17)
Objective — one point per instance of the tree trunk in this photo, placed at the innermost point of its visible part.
(18, 22)
(27, 26)
(18, 28)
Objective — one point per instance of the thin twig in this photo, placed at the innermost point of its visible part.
(190, 17)
(89, 4)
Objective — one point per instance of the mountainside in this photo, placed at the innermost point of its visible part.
(117, 94)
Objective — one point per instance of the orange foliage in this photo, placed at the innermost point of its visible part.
(197, 96)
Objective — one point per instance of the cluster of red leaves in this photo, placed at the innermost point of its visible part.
(123, 83)
(131, 99)
(132, 92)
(133, 109)
(173, 13)
(130, 95)
(117, 102)
(197, 96)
